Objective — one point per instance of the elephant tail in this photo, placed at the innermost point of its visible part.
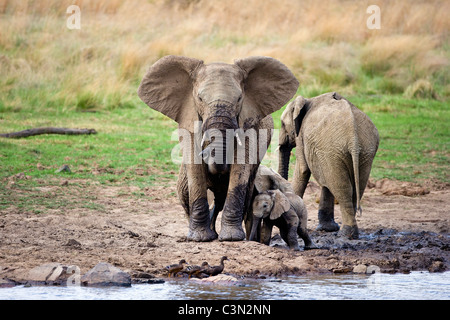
(355, 160)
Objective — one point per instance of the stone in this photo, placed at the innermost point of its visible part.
(6, 283)
(106, 275)
(72, 243)
(437, 266)
(220, 279)
(373, 269)
(360, 268)
(48, 274)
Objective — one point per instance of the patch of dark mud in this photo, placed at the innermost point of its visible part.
(391, 250)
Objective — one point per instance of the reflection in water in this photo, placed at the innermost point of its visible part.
(416, 285)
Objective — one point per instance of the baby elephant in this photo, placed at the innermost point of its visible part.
(284, 210)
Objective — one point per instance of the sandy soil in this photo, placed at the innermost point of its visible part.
(141, 231)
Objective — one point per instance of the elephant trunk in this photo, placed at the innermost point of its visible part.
(218, 143)
(283, 163)
(255, 234)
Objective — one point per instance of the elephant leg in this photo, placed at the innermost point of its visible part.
(219, 200)
(183, 190)
(291, 237)
(266, 232)
(303, 234)
(199, 219)
(301, 173)
(347, 203)
(248, 210)
(233, 212)
(326, 212)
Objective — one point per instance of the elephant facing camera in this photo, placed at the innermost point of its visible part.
(284, 210)
(223, 97)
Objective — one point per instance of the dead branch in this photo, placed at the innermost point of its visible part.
(47, 130)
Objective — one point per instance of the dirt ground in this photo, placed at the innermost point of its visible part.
(403, 227)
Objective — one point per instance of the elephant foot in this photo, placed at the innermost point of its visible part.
(326, 222)
(350, 232)
(328, 226)
(201, 235)
(311, 246)
(231, 233)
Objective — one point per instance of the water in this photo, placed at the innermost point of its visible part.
(416, 285)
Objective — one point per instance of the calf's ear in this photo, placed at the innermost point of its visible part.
(281, 204)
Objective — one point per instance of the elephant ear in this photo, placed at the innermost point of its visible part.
(287, 132)
(281, 204)
(167, 88)
(300, 106)
(263, 179)
(268, 86)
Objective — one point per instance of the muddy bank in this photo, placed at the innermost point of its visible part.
(142, 230)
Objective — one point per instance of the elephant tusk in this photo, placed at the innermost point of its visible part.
(238, 139)
(202, 153)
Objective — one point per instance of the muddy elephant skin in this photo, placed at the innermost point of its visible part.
(218, 100)
(336, 143)
(284, 210)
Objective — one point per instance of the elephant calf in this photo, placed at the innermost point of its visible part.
(336, 143)
(284, 210)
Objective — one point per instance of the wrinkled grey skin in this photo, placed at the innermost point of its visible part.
(222, 96)
(277, 205)
(336, 143)
(284, 210)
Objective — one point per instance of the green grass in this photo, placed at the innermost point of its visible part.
(414, 137)
(133, 145)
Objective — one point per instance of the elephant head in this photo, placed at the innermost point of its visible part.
(269, 204)
(222, 96)
(290, 126)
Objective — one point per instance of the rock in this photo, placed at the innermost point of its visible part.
(360, 268)
(72, 243)
(373, 269)
(394, 187)
(342, 270)
(6, 283)
(48, 274)
(144, 277)
(105, 275)
(221, 279)
(437, 266)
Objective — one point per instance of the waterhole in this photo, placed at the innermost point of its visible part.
(416, 285)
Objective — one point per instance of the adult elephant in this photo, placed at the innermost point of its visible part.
(212, 100)
(336, 142)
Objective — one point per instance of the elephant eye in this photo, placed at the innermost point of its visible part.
(240, 98)
(200, 98)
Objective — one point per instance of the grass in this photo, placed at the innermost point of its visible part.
(53, 76)
(134, 145)
(130, 144)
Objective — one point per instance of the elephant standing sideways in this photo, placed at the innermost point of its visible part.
(211, 102)
(336, 143)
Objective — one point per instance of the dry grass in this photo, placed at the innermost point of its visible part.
(325, 43)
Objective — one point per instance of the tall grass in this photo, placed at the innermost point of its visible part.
(326, 44)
